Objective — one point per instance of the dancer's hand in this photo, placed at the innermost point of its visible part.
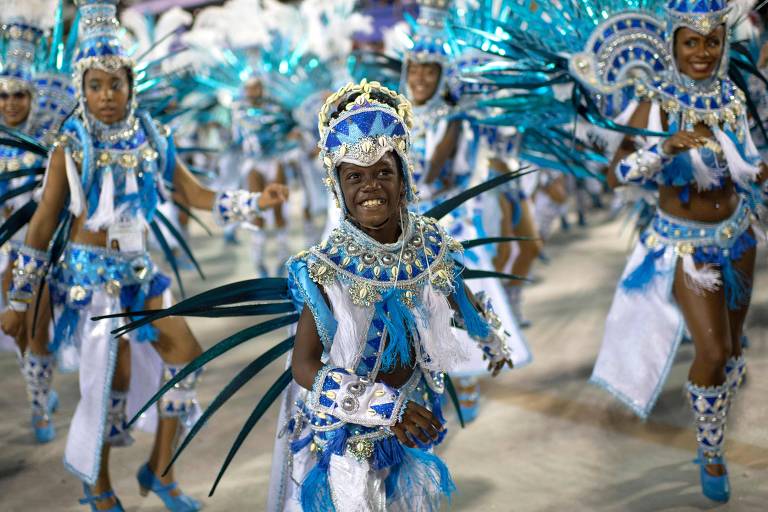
(273, 195)
(11, 322)
(683, 141)
(420, 423)
(495, 368)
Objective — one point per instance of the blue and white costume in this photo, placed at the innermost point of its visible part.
(668, 241)
(613, 58)
(645, 326)
(117, 175)
(42, 75)
(385, 303)
(376, 307)
(634, 362)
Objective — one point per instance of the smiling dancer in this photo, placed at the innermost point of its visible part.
(694, 265)
(664, 72)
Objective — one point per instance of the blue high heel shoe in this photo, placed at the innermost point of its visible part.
(47, 433)
(716, 488)
(149, 482)
(91, 500)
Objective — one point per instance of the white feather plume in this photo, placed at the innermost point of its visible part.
(137, 26)
(396, 39)
(330, 24)
(38, 13)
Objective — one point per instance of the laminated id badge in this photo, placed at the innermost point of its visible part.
(126, 235)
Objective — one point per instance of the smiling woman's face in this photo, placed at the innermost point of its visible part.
(372, 194)
(698, 56)
(15, 107)
(107, 94)
(423, 79)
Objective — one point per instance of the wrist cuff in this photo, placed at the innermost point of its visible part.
(352, 399)
(236, 206)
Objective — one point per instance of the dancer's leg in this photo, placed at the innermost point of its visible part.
(121, 381)
(38, 365)
(176, 346)
(528, 252)
(706, 316)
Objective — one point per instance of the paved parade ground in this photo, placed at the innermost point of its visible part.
(545, 440)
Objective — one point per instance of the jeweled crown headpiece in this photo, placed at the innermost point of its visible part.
(22, 31)
(99, 42)
(364, 131)
(430, 42)
(702, 16)
(99, 46)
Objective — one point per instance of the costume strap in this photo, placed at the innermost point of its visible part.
(494, 345)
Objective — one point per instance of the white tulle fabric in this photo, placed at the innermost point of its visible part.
(347, 476)
(352, 326)
(433, 323)
(741, 171)
(444, 351)
(76, 194)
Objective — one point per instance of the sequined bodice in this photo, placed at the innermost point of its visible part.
(134, 158)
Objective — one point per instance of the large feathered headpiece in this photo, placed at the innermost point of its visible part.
(431, 43)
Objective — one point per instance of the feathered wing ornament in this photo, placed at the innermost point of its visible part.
(258, 298)
(603, 49)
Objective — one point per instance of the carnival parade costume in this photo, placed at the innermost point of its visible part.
(117, 174)
(29, 67)
(627, 57)
(387, 302)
